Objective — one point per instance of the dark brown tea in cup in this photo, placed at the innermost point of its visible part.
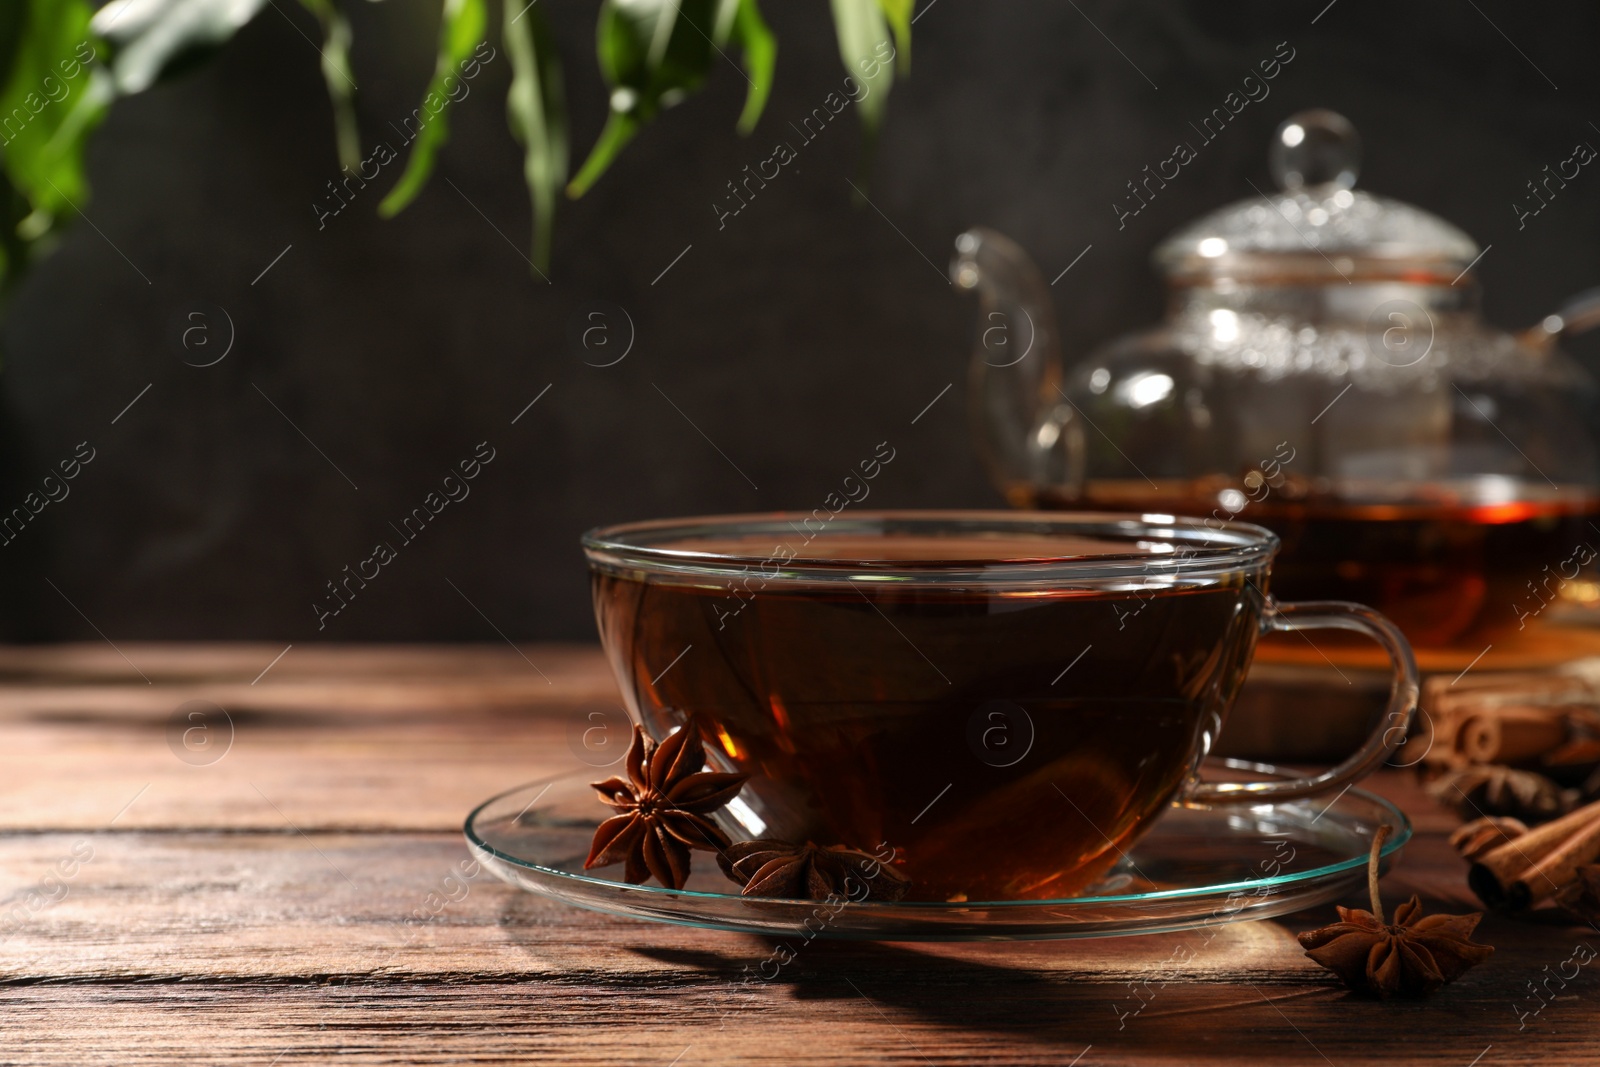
(1005, 744)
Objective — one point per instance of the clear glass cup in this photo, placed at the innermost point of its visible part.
(1053, 680)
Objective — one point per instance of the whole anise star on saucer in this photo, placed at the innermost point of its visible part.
(662, 806)
(768, 868)
(1412, 956)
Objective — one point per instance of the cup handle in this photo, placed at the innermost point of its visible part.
(1386, 736)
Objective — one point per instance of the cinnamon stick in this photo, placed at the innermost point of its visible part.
(1511, 734)
(1583, 737)
(1530, 868)
(1513, 718)
(1477, 838)
(1557, 870)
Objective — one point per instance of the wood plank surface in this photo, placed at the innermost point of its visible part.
(405, 738)
(307, 898)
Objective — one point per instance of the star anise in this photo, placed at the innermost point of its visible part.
(1581, 899)
(662, 805)
(1412, 956)
(768, 868)
(1491, 789)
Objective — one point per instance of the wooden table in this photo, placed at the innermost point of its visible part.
(302, 900)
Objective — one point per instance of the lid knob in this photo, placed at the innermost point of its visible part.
(1318, 147)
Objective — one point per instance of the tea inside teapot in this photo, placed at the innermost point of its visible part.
(1449, 563)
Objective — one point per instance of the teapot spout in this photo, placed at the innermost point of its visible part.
(1578, 315)
(1028, 433)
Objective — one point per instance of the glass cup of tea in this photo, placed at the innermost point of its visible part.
(1004, 701)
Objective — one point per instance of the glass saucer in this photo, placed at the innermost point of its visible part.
(1196, 867)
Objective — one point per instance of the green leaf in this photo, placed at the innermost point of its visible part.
(760, 51)
(898, 12)
(866, 48)
(152, 38)
(13, 24)
(341, 80)
(54, 95)
(619, 129)
(460, 31)
(14, 207)
(652, 53)
(868, 54)
(536, 107)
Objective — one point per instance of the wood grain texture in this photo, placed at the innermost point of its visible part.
(308, 899)
(408, 738)
(882, 1009)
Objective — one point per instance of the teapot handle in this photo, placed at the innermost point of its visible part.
(1030, 437)
(1579, 314)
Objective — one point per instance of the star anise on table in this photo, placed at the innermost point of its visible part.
(768, 868)
(1581, 899)
(1411, 956)
(1491, 789)
(662, 806)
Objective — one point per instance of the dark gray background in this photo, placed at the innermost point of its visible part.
(797, 338)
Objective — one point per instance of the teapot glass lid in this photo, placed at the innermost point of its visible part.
(1316, 226)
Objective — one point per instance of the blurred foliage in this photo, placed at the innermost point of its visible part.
(460, 31)
(537, 111)
(863, 27)
(53, 93)
(62, 64)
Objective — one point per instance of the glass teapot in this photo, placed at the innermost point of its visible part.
(1322, 371)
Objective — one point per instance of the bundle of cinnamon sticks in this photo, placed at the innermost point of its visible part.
(1515, 868)
(1518, 754)
(1519, 744)
(1545, 719)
